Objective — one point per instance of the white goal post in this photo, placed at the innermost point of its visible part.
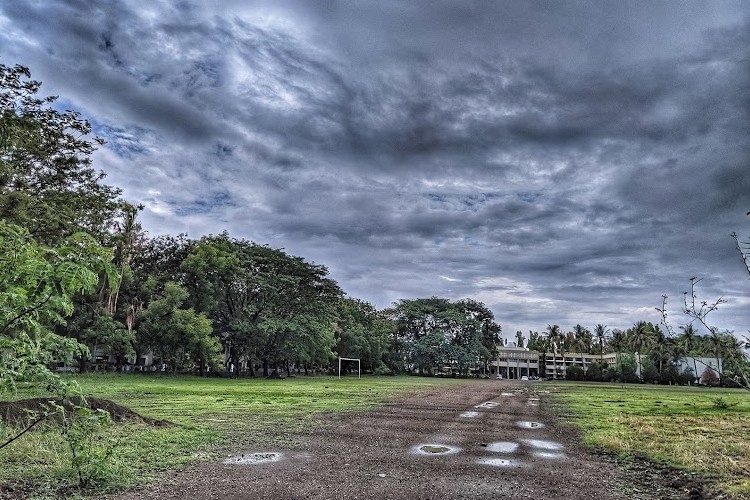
(359, 366)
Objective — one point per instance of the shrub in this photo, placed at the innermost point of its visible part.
(709, 377)
(686, 377)
(594, 372)
(574, 372)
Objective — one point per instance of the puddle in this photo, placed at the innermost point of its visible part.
(543, 444)
(502, 447)
(488, 404)
(549, 455)
(253, 458)
(469, 414)
(434, 449)
(499, 462)
(530, 425)
(507, 394)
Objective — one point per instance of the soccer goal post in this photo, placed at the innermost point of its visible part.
(359, 366)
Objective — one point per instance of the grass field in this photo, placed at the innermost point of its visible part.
(700, 429)
(212, 414)
(706, 430)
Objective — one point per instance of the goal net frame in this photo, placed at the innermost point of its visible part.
(359, 365)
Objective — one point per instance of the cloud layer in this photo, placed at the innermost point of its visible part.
(563, 163)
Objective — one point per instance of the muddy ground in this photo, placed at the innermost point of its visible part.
(500, 440)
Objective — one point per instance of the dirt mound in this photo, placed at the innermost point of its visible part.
(25, 411)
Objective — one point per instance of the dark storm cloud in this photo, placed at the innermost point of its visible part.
(562, 162)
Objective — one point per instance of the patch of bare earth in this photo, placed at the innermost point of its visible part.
(23, 412)
(450, 443)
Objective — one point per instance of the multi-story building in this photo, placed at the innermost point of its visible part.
(516, 362)
(557, 364)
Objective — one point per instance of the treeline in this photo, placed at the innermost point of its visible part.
(658, 352)
(79, 276)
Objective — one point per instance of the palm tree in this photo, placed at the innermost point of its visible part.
(661, 346)
(542, 345)
(583, 341)
(617, 343)
(641, 337)
(688, 340)
(600, 332)
(734, 353)
(554, 336)
(717, 344)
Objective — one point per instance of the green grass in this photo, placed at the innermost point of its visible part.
(213, 415)
(700, 429)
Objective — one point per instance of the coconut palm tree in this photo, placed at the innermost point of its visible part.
(554, 337)
(688, 340)
(734, 353)
(600, 332)
(617, 343)
(583, 340)
(641, 338)
(660, 346)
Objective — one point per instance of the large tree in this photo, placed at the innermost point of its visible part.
(178, 336)
(362, 332)
(265, 304)
(435, 332)
(47, 182)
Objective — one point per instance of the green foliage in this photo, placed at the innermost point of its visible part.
(626, 368)
(265, 305)
(37, 286)
(89, 453)
(594, 372)
(650, 373)
(722, 404)
(434, 332)
(47, 183)
(178, 337)
(574, 372)
(362, 333)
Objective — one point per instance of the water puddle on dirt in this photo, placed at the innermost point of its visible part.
(253, 458)
(469, 414)
(502, 447)
(523, 424)
(506, 394)
(549, 455)
(488, 404)
(434, 449)
(543, 444)
(499, 462)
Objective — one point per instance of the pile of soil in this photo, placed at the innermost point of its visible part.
(24, 412)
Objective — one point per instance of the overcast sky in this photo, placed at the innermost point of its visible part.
(562, 162)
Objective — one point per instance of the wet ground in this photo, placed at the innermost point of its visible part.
(487, 439)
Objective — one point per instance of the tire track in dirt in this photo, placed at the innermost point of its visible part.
(371, 455)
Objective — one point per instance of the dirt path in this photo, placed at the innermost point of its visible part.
(507, 446)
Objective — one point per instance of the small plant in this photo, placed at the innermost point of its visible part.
(720, 404)
(80, 426)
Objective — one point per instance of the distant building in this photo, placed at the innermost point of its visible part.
(515, 362)
(699, 365)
